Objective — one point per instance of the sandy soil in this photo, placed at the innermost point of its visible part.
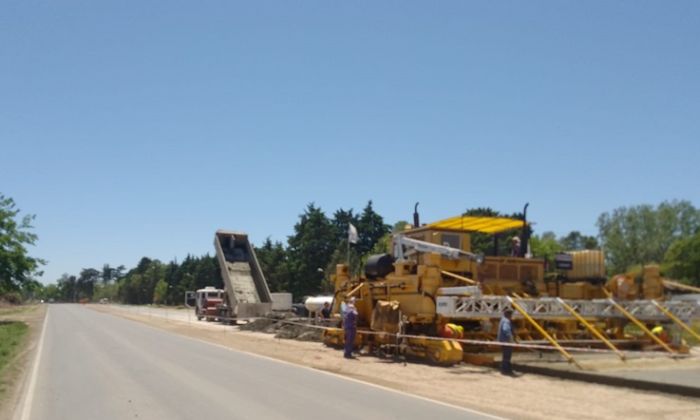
(524, 397)
(13, 377)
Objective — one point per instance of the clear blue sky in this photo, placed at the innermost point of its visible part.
(135, 128)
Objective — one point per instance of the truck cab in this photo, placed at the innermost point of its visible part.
(207, 302)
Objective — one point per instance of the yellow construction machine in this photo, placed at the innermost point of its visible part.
(406, 299)
(399, 292)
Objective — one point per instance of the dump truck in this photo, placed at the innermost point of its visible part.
(246, 292)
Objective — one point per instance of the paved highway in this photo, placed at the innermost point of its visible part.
(92, 365)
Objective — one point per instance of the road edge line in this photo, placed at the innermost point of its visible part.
(26, 406)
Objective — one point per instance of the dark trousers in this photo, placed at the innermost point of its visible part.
(505, 361)
(349, 341)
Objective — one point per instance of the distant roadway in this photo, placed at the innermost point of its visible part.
(93, 365)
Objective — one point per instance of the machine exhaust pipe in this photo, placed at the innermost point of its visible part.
(525, 233)
(416, 217)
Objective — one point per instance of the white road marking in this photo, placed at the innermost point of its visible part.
(25, 411)
(337, 375)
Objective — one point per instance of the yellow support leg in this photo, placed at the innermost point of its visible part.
(465, 279)
(591, 328)
(458, 277)
(544, 333)
(353, 291)
(638, 323)
(676, 320)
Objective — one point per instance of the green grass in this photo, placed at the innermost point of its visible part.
(16, 309)
(695, 326)
(11, 336)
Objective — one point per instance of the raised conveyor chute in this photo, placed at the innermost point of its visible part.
(246, 289)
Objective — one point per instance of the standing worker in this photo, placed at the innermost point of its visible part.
(350, 327)
(515, 247)
(505, 335)
(326, 311)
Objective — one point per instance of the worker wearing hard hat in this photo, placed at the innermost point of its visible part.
(452, 331)
(515, 247)
(344, 306)
(350, 327)
(661, 333)
(505, 335)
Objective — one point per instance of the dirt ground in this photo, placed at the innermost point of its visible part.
(523, 397)
(16, 372)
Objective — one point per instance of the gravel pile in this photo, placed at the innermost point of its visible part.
(275, 325)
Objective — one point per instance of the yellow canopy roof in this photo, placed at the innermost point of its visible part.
(491, 225)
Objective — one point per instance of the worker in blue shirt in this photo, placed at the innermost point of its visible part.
(505, 335)
(350, 327)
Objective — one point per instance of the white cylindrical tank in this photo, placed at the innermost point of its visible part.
(315, 303)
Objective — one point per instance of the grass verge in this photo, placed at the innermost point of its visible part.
(12, 334)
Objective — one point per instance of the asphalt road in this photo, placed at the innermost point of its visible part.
(98, 366)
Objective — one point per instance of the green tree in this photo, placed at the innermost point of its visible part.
(341, 220)
(68, 292)
(545, 246)
(138, 285)
(576, 241)
(310, 248)
(160, 292)
(370, 228)
(108, 273)
(643, 234)
(16, 265)
(106, 291)
(31, 290)
(86, 283)
(118, 272)
(49, 292)
(683, 260)
(275, 265)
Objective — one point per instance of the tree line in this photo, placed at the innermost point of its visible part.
(302, 266)
(667, 234)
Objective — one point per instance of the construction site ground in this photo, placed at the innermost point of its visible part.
(529, 396)
(655, 371)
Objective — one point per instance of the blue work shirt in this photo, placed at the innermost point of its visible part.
(505, 331)
(350, 320)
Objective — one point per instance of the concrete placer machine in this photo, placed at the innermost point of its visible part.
(432, 279)
(247, 294)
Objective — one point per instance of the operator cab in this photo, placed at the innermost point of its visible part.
(501, 270)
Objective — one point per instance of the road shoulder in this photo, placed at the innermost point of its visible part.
(14, 377)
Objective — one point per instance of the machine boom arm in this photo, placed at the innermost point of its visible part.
(400, 241)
